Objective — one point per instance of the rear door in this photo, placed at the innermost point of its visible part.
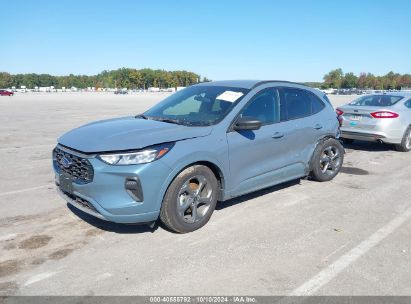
(256, 156)
(302, 113)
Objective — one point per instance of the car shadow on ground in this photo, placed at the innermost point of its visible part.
(369, 146)
(253, 195)
(110, 226)
(144, 228)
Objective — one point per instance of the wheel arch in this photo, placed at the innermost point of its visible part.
(217, 172)
(320, 140)
(216, 169)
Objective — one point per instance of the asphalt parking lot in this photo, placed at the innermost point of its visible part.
(350, 236)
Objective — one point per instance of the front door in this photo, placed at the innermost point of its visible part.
(257, 157)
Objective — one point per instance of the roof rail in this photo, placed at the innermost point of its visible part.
(268, 81)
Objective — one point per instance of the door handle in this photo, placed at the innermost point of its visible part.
(278, 135)
(318, 127)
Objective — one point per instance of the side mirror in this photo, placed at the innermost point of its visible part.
(247, 123)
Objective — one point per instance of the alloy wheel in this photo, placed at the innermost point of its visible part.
(330, 160)
(194, 199)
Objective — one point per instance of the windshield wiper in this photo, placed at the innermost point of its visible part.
(142, 116)
(168, 120)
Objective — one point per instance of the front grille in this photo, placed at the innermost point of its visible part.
(77, 167)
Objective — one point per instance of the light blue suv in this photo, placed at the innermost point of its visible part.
(209, 142)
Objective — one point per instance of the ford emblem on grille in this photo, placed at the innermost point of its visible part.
(66, 162)
(79, 168)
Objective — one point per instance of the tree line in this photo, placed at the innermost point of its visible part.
(120, 78)
(145, 78)
(336, 79)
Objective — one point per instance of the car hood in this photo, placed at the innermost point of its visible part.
(127, 133)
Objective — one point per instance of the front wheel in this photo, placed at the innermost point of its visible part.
(190, 199)
(327, 160)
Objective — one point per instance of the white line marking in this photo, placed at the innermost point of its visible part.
(26, 147)
(24, 190)
(329, 273)
(335, 251)
(7, 237)
(104, 276)
(39, 277)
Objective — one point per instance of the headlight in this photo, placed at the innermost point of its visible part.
(138, 157)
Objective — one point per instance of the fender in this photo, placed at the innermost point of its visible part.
(188, 161)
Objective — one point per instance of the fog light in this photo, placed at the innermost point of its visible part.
(133, 188)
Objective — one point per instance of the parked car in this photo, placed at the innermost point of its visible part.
(384, 118)
(121, 92)
(6, 93)
(206, 143)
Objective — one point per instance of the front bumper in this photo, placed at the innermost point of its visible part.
(106, 197)
(85, 205)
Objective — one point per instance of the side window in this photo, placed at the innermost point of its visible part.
(316, 104)
(297, 103)
(408, 103)
(264, 106)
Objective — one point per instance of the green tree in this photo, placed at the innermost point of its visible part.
(334, 79)
(6, 80)
(136, 79)
(349, 81)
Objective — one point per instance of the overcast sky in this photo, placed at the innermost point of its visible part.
(290, 40)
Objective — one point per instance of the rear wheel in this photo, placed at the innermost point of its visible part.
(405, 144)
(190, 199)
(327, 160)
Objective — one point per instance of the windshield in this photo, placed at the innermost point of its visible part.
(197, 105)
(376, 100)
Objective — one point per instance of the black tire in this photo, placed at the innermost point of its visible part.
(327, 160)
(347, 141)
(405, 145)
(187, 208)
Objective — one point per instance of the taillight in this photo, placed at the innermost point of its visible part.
(384, 114)
(340, 120)
(339, 116)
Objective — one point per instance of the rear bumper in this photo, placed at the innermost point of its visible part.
(370, 136)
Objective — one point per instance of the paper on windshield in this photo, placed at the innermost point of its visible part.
(230, 96)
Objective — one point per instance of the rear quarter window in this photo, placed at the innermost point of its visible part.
(316, 104)
(408, 103)
(299, 103)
